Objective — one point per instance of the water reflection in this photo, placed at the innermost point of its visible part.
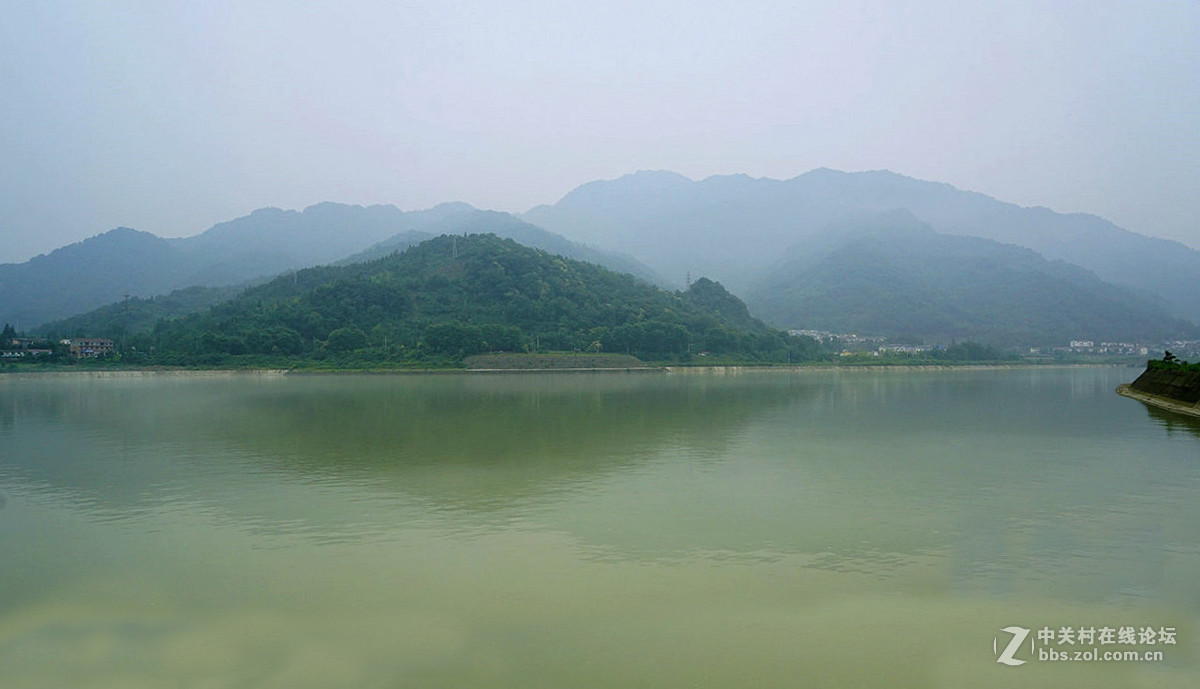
(998, 474)
(516, 531)
(480, 443)
(1172, 422)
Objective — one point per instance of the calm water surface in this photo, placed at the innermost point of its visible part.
(825, 529)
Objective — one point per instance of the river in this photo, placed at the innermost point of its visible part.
(870, 528)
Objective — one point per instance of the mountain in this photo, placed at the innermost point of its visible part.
(456, 295)
(895, 276)
(87, 274)
(271, 240)
(391, 245)
(733, 227)
(137, 314)
(123, 262)
(472, 221)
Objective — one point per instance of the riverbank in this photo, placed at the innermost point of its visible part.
(1173, 388)
(649, 368)
(880, 367)
(1167, 403)
(144, 373)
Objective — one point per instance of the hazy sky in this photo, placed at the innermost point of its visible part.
(169, 117)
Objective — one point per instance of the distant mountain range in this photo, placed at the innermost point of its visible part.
(895, 275)
(873, 252)
(124, 263)
(734, 227)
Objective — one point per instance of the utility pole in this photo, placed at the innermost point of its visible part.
(125, 321)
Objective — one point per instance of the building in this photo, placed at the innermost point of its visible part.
(22, 347)
(905, 349)
(33, 352)
(85, 347)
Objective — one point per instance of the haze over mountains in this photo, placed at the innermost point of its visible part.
(125, 262)
(120, 262)
(893, 274)
(468, 220)
(873, 252)
(733, 228)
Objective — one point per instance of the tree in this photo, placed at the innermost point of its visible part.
(453, 338)
(346, 339)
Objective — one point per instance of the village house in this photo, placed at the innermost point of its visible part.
(85, 347)
(21, 347)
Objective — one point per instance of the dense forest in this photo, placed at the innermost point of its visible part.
(454, 296)
(136, 314)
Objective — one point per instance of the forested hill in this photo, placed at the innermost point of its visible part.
(457, 295)
(896, 277)
(136, 315)
(472, 221)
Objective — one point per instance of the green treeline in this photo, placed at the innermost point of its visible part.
(14, 348)
(1170, 362)
(137, 314)
(970, 351)
(454, 296)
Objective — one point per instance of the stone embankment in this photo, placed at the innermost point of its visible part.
(1173, 390)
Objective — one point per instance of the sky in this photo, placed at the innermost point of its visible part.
(172, 116)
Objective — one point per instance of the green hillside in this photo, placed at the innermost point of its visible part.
(471, 221)
(137, 315)
(455, 296)
(902, 279)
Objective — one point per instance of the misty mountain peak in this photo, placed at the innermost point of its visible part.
(642, 184)
(331, 207)
(116, 239)
(122, 232)
(266, 212)
(453, 207)
(654, 177)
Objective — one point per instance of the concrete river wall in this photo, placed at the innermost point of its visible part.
(1174, 390)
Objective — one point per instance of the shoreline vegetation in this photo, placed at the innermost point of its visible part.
(549, 364)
